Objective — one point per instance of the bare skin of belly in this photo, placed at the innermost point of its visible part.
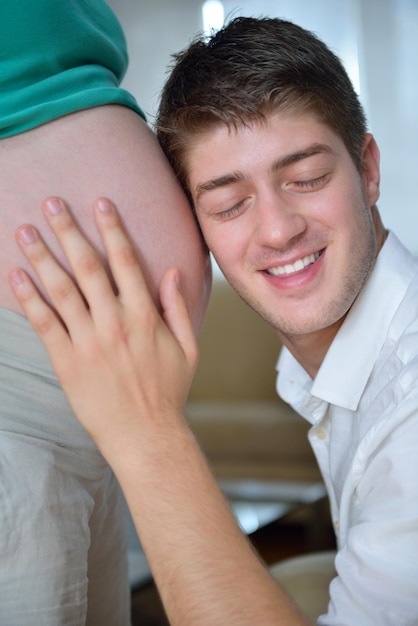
(106, 151)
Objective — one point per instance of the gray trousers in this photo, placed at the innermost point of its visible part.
(63, 557)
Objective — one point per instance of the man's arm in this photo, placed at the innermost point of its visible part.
(126, 372)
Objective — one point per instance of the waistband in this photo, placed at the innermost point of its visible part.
(32, 403)
(21, 347)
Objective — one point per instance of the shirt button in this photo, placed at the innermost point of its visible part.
(336, 525)
(320, 433)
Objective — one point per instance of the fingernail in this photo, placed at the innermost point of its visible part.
(17, 276)
(53, 206)
(104, 205)
(27, 234)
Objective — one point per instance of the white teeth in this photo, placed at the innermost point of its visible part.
(298, 265)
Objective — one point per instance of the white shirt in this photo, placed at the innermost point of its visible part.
(363, 407)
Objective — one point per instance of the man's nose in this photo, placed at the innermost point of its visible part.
(277, 221)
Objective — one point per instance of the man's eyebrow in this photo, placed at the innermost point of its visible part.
(295, 157)
(237, 177)
(221, 181)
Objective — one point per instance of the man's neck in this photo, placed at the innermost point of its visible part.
(310, 349)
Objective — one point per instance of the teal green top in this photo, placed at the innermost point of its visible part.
(57, 57)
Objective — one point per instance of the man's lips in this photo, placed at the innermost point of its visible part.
(297, 266)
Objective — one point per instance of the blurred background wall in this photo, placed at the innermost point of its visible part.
(376, 39)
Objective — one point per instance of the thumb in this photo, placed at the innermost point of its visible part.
(176, 315)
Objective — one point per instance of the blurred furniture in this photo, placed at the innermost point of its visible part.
(243, 427)
(257, 503)
(306, 579)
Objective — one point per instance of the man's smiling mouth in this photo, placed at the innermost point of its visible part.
(297, 266)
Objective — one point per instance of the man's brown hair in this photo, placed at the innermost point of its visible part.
(248, 70)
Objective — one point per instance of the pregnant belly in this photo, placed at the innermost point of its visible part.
(107, 151)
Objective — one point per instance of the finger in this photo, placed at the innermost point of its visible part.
(58, 285)
(177, 317)
(42, 318)
(123, 261)
(88, 269)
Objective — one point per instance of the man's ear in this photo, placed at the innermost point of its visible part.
(371, 168)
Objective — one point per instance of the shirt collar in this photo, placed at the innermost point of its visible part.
(348, 363)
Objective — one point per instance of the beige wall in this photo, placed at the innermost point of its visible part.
(239, 351)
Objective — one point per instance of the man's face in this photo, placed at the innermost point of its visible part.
(287, 217)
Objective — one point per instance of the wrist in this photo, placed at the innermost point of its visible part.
(146, 444)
